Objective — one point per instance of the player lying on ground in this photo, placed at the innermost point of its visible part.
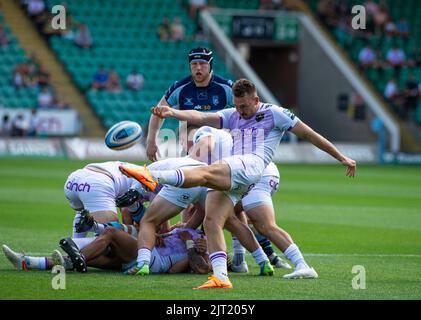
(180, 251)
(258, 129)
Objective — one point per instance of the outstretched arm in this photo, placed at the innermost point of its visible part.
(191, 116)
(303, 131)
(155, 124)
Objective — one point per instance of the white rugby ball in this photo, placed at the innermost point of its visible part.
(123, 135)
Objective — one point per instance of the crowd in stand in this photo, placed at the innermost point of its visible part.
(394, 35)
(110, 81)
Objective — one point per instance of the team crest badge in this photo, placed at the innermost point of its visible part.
(215, 100)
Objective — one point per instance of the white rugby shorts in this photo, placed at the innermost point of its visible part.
(90, 190)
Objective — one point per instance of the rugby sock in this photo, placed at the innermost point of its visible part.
(294, 254)
(239, 252)
(143, 257)
(265, 244)
(40, 263)
(77, 234)
(83, 242)
(172, 177)
(260, 256)
(219, 265)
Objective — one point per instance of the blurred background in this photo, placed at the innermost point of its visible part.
(350, 69)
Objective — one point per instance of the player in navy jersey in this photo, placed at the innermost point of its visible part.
(201, 91)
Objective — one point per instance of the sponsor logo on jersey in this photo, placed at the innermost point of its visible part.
(185, 197)
(260, 117)
(188, 102)
(198, 107)
(202, 95)
(74, 186)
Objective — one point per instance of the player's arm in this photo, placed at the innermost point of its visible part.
(191, 116)
(180, 267)
(303, 131)
(196, 262)
(155, 124)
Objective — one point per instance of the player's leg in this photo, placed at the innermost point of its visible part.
(159, 211)
(247, 239)
(239, 263)
(24, 262)
(219, 207)
(216, 176)
(263, 219)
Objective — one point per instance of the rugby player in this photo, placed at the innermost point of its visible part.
(257, 129)
(95, 188)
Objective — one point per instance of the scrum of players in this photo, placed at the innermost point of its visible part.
(226, 181)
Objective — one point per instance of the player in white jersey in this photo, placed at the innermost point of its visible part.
(95, 189)
(259, 128)
(171, 200)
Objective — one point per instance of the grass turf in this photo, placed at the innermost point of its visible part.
(373, 221)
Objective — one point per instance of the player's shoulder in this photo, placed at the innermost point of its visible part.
(222, 81)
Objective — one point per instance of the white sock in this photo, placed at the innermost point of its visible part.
(172, 177)
(40, 263)
(259, 256)
(219, 265)
(83, 242)
(143, 256)
(294, 254)
(239, 251)
(77, 234)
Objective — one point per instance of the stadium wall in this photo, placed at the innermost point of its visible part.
(320, 86)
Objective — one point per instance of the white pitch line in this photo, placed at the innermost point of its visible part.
(362, 255)
(367, 255)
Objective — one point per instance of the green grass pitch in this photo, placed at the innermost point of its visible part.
(373, 220)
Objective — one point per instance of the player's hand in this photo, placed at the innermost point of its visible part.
(162, 112)
(351, 166)
(152, 151)
(200, 245)
(185, 235)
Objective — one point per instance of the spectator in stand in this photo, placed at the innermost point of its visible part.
(178, 31)
(381, 17)
(19, 126)
(164, 29)
(367, 57)
(45, 98)
(43, 78)
(113, 84)
(390, 28)
(326, 12)
(100, 80)
(403, 28)
(371, 7)
(35, 7)
(391, 92)
(4, 40)
(19, 78)
(83, 37)
(33, 123)
(5, 129)
(411, 94)
(415, 57)
(135, 81)
(396, 58)
(195, 6)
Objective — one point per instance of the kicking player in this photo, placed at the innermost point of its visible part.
(257, 129)
(95, 188)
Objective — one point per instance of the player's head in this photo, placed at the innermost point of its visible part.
(201, 61)
(246, 100)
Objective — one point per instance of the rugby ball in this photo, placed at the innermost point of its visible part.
(123, 135)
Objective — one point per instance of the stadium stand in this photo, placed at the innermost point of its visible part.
(395, 25)
(125, 38)
(12, 55)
